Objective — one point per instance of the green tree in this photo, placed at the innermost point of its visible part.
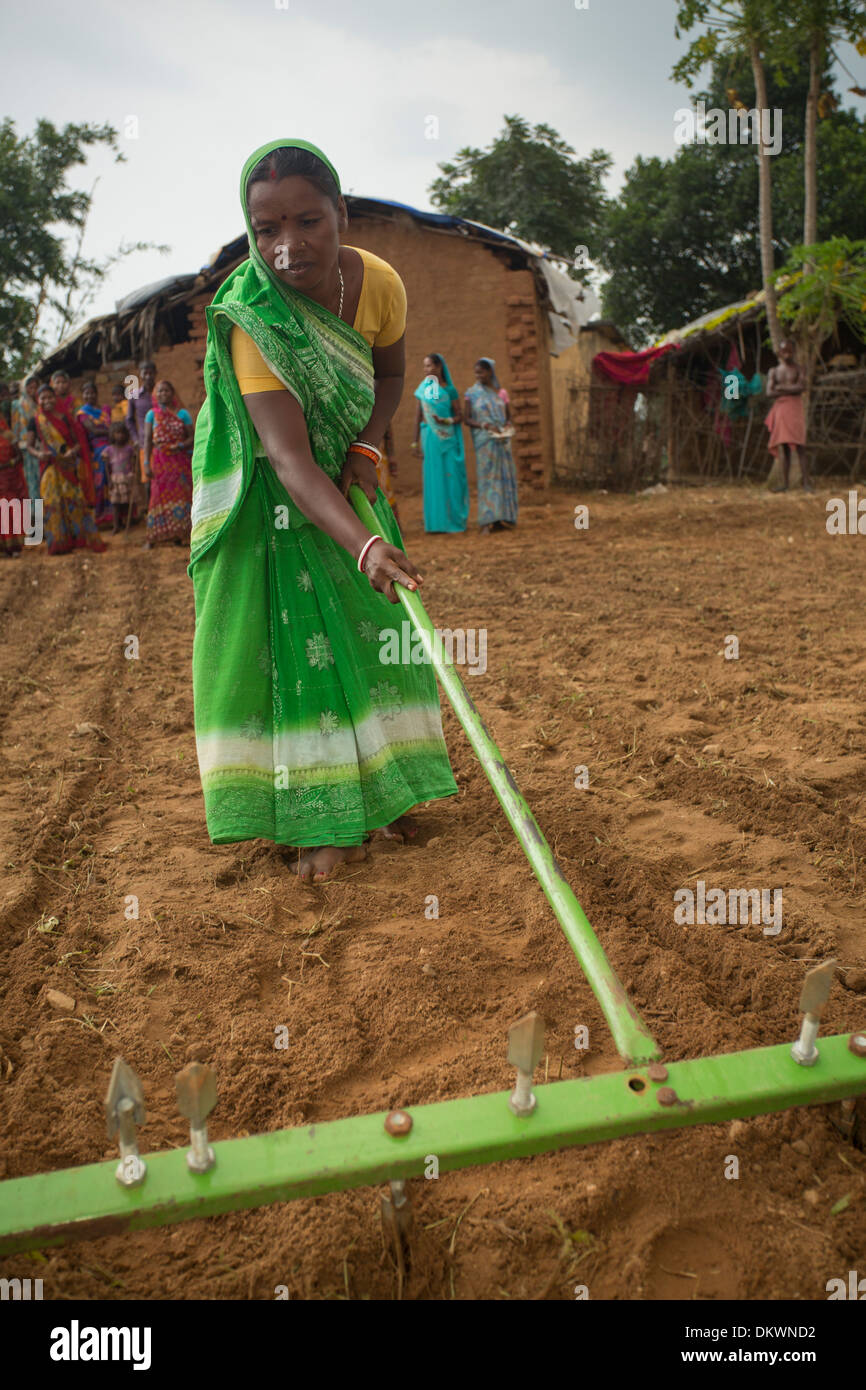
(682, 238)
(816, 25)
(46, 283)
(530, 182)
(830, 289)
(738, 27)
(840, 184)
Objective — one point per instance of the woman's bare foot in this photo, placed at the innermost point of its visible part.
(401, 830)
(317, 864)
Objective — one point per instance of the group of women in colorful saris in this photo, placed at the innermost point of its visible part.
(439, 420)
(47, 462)
(83, 461)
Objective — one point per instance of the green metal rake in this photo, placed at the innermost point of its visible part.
(107, 1198)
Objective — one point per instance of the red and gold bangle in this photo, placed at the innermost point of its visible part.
(367, 452)
(363, 555)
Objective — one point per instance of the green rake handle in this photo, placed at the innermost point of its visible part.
(633, 1041)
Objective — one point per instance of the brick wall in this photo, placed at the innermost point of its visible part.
(529, 372)
(105, 378)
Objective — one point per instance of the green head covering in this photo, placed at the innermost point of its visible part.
(259, 154)
(256, 158)
(325, 364)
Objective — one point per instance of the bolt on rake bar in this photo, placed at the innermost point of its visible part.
(630, 1034)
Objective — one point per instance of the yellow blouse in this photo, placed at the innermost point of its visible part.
(381, 319)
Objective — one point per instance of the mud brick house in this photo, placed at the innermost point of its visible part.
(473, 291)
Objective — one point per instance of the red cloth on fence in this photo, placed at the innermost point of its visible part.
(629, 368)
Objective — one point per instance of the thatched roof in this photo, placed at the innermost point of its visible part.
(716, 323)
(718, 326)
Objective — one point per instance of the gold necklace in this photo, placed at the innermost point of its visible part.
(342, 289)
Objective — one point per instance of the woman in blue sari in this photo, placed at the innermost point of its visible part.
(438, 420)
(487, 414)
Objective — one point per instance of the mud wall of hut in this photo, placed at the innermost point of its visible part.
(571, 379)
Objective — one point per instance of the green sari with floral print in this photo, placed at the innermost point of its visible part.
(303, 736)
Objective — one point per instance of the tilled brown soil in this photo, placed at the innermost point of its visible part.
(605, 649)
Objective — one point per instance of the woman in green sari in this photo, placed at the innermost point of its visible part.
(304, 737)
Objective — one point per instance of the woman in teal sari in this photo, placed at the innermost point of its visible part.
(438, 420)
(304, 737)
(487, 415)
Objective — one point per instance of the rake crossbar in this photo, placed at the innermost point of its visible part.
(87, 1203)
(630, 1034)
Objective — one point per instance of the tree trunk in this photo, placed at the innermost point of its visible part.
(810, 216)
(765, 204)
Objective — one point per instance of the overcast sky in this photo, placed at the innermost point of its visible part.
(207, 81)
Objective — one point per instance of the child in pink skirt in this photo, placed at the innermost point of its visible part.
(121, 457)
